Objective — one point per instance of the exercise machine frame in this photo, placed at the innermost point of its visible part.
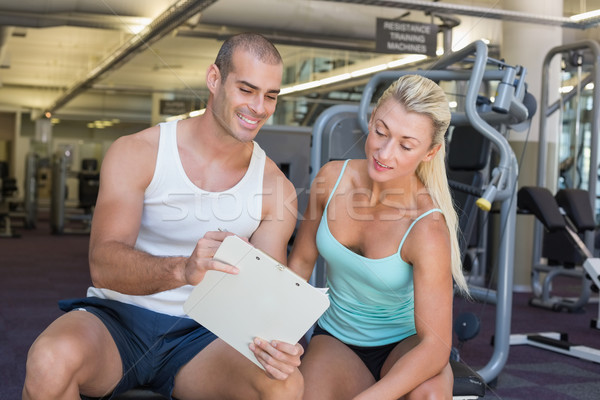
(541, 288)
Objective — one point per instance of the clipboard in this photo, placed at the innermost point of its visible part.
(265, 299)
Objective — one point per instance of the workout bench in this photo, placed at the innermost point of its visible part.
(565, 214)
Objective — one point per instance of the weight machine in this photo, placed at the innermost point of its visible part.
(566, 214)
(8, 187)
(11, 208)
(76, 220)
(584, 56)
(564, 231)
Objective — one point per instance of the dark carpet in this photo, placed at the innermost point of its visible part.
(533, 373)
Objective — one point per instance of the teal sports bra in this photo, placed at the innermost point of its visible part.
(372, 300)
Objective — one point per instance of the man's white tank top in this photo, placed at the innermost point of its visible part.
(177, 214)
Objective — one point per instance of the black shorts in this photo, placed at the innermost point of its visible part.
(153, 346)
(373, 357)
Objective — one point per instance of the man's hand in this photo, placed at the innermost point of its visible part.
(278, 358)
(201, 259)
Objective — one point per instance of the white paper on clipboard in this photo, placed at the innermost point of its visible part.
(265, 299)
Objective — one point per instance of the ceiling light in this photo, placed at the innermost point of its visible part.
(306, 86)
(139, 26)
(585, 15)
(369, 70)
(566, 89)
(406, 60)
(197, 112)
(353, 74)
(191, 114)
(334, 79)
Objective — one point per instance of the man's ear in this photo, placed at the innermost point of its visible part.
(213, 77)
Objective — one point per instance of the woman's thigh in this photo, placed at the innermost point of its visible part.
(331, 370)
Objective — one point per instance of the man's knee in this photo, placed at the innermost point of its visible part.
(51, 366)
(272, 389)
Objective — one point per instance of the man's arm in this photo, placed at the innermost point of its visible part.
(272, 236)
(127, 170)
(279, 214)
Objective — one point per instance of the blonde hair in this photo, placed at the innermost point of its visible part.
(423, 96)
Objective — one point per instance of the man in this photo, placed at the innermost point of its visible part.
(168, 197)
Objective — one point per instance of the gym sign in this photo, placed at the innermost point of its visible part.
(398, 37)
(175, 107)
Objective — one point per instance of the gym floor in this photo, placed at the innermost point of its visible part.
(38, 269)
(533, 373)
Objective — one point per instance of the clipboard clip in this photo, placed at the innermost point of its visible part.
(278, 266)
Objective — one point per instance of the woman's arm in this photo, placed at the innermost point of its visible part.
(428, 249)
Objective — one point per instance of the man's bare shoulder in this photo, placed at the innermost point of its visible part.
(139, 144)
(133, 156)
(275, 178)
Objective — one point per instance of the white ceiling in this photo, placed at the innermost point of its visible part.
(49, 46)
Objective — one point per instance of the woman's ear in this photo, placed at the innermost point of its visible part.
(372, 116)
(213, 77)
(431, 153)
(371, 121)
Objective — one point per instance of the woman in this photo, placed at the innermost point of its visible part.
(387, 228)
